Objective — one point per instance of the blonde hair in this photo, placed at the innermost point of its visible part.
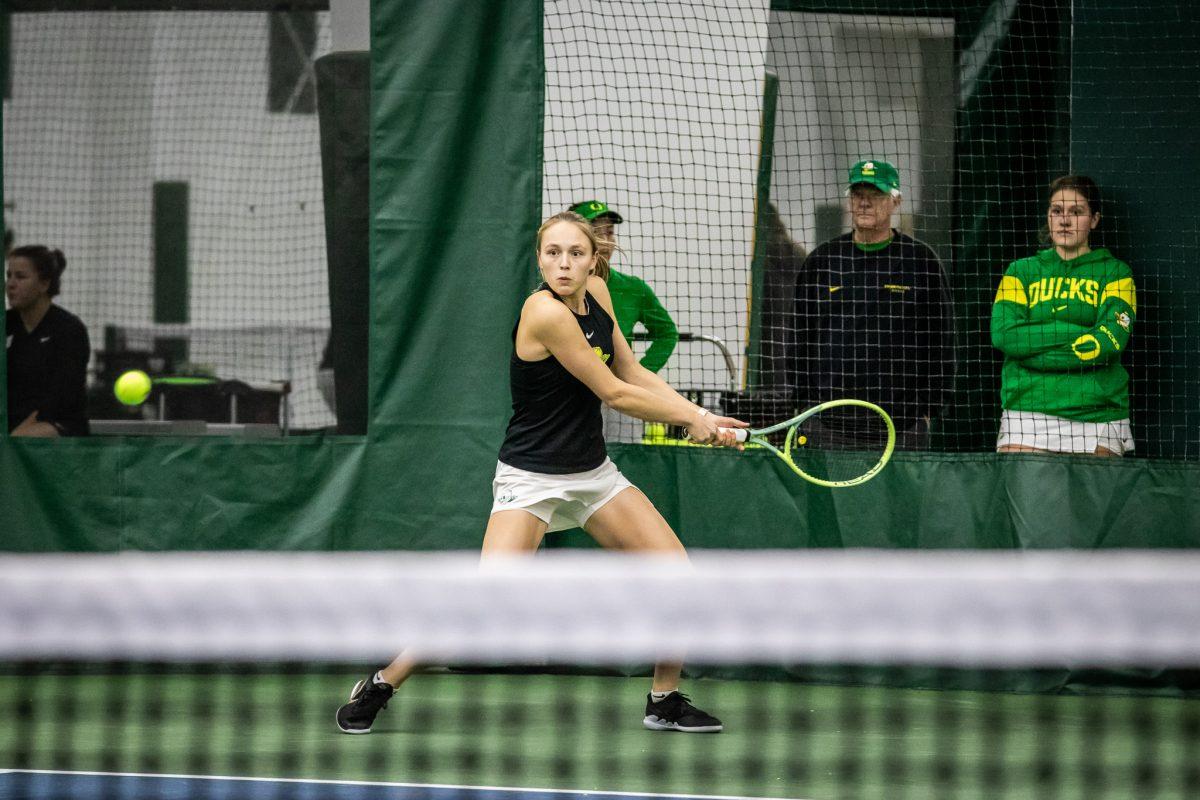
(601, 269)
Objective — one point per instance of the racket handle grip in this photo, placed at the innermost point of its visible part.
(739, 434)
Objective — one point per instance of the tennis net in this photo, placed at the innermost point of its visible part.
(836, 675)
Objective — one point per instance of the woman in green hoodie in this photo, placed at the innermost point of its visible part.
(1063, 318)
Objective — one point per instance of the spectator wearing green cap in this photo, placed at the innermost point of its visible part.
(873, 317)
(633, 301)
(1063, 319)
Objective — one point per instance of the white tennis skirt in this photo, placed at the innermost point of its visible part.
(1060, 435)
(561, 501)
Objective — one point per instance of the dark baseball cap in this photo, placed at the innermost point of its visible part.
(594, 209)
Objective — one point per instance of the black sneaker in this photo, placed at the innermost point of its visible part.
(367, 700)
(676, 713)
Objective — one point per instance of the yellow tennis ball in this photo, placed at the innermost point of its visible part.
(133, 387)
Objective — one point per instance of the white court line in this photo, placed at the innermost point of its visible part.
(386, 784)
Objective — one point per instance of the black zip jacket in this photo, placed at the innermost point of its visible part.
(875, 326)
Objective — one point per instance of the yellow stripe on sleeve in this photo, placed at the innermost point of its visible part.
(1011, 290)
(1123, 290)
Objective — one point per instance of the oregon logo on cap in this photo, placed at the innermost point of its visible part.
(868, 168)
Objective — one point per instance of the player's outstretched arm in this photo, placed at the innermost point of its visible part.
(552, 326)
(625, 364)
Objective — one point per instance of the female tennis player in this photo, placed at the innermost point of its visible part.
(553, 471)
(1063, 319)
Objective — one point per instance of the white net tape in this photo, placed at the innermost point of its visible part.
(945, 608)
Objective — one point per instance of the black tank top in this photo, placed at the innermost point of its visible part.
(556, 426)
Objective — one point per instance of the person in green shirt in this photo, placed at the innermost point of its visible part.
(1063, 319)
(633, 299)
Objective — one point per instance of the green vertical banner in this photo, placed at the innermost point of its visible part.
(170, 210)
(344, 109)
(762, 196)
(457, 90)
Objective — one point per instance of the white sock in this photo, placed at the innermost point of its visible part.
(379, 679)
(656, 696)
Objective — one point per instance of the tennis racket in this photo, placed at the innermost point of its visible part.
(847, 442)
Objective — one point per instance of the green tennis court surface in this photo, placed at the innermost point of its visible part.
(542, 734)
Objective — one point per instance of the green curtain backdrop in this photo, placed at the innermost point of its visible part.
(456, 195)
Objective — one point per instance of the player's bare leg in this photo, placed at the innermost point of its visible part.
(511, 533)
(630, 522)
(508, 532)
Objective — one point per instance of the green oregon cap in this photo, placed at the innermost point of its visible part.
(591, 209)
(880, 174)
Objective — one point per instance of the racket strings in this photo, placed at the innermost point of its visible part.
(847, 428)
(839, 444)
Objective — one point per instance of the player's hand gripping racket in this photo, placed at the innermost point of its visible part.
(852, 441)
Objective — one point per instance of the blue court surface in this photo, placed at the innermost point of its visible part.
(51, 785)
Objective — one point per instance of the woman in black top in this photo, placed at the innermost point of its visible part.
(46, 347)
(553, 470)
